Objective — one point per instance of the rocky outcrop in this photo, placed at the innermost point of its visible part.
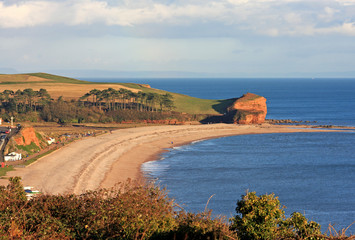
(26, 137)
(144, 85)
(249, 109)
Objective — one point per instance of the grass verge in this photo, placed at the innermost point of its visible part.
(6, 169)
(32, 160)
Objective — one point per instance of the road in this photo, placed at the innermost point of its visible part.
(4, 141)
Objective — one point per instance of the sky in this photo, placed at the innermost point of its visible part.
(209, 38)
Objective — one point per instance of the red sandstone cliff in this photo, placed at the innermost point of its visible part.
(27, 136)
(249, 109)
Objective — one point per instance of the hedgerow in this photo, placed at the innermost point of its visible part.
(134, 211)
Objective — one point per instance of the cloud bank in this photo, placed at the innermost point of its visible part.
(264, 17)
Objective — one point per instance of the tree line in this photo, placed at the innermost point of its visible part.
(108, 105)
(24, 101)
(123, 98)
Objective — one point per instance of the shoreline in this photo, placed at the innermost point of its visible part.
(105, 160)
(155, 152)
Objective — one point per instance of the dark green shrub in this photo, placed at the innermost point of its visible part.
(299, 227)
(258, 217)
(263, 218)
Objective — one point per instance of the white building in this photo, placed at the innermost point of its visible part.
(50, 140)
(13, 156)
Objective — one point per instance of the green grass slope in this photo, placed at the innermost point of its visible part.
(58, 79)
(183, 103)
(187, 104)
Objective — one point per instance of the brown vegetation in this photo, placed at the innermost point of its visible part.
(133, 211)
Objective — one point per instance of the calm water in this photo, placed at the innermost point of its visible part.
(328, 101)
(312, 173)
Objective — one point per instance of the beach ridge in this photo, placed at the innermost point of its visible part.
(103, 161)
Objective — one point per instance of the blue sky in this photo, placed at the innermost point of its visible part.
(229, 38)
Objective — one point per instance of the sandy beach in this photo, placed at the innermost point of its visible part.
(103, 161)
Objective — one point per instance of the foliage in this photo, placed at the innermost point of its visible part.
(130, 211)
(200, 226)
(261, 217)
(299, 227)
(133, 211)
(6, 169)
(32, 105)
(183, 103)
(30, 149)
(96, 106)
(24, 101)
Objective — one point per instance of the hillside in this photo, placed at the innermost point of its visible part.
(70, 88)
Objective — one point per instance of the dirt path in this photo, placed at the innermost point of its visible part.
(104, 160)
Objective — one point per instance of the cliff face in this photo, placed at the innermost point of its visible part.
(26, 137)
(249, 109)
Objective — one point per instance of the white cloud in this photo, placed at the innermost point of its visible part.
(345, 28)
(270, 17)
(25, 14)
(346, 2)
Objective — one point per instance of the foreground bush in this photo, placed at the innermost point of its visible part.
(262, 217)
(130, 211)
(133, 211)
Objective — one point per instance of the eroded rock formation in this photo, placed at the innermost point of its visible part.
(249, 109)
(26, 137)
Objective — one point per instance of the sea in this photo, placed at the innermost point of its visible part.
(310, 173)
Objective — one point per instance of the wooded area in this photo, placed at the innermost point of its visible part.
(109, 105)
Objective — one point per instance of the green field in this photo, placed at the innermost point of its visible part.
(60, 86)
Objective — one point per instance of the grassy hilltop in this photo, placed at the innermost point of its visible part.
(70, 88)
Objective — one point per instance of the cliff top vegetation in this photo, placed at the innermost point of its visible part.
(73, 89)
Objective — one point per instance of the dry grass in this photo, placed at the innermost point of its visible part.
(339, 235)
(55, 85)
(67, 90)
(21, 78)
(70, 89)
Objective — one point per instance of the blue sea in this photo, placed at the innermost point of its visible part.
(311, 173)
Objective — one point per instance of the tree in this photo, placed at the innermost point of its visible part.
(20, 100)
(141, 96)
(113, 94)
(258, 217)
(85, 96)
(94, 94)
(298, 227)
(44, 97)
(7, 94)
(125, 93)
(167, 101)
(105, 94)
(152, 100)
(30, 95)
(263, 218)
